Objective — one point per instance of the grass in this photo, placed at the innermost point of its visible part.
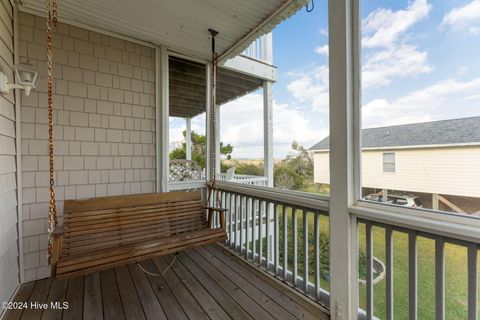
(455, 272)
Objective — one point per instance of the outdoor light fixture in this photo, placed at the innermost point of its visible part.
(26, 77)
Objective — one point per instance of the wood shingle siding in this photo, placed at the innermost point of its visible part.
(9, 273)
(104, 117)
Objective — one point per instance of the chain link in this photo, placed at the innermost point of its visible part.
(52, 212)
(213, 123)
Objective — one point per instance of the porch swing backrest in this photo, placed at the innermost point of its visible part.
(106, 232)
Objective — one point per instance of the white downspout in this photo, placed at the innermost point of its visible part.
(162, 113)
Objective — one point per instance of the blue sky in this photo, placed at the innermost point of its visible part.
(420, 62)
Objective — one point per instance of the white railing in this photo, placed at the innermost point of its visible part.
(413, 236)
(244, 179)
(260, 49)
(266, 226)
(279, 231)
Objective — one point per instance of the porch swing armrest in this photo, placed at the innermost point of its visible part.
(220, 211)
(57, 241)
(58, 231)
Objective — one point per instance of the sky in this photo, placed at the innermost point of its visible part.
(420, 62)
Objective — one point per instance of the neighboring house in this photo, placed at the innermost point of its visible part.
(439, 157)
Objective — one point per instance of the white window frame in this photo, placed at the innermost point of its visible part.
(345, 169)
(436, 222)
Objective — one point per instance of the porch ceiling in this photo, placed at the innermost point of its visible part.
(181, 24)
(188, 90)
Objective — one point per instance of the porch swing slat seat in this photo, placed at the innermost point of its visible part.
(106, 232)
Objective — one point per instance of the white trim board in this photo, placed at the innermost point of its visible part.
(18, 147)
(420, 146)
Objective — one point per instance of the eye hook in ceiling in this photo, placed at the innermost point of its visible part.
(310, 9)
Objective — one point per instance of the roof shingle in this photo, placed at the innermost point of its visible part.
(456, 131)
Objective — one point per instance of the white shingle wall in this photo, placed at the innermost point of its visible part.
(105, 126)
(9, 275)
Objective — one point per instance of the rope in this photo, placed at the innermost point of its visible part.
(52, 212)
(157, 274)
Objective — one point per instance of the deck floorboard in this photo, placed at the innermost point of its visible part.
(204, 283)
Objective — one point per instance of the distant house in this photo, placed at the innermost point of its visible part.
(440, 157)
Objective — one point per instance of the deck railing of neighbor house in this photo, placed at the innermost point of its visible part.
(263, 227)
(244, 178)
(260, 49)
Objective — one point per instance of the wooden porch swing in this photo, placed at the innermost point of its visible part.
(102, 233)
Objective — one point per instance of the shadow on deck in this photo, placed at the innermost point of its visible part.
(206, 283)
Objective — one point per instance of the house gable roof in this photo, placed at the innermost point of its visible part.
(456, 131)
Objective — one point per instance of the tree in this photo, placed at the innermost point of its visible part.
(199, 149)
(295, 172)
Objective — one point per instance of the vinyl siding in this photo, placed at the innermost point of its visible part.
(450, 171)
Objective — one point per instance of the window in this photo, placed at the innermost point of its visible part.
(418, 105)
(389, 162)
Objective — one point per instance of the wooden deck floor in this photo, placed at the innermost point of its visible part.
(207, 283)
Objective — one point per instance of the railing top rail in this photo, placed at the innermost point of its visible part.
(294, 198)
(241, 175)
(184, 185)
(426, 222)
(420, 233)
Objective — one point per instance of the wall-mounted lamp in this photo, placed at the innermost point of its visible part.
(26, 77)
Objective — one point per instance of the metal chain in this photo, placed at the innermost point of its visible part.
(52, 212)
(213, 167)
(212, 185)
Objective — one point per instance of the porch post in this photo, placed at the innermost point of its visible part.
(344, 162)
(162, 111)
(208, 108)
(188, 139)
(268, 132)
(435, 202)
(217, 139)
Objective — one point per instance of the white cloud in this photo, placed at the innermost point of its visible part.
(464, 18)
(391, 63)
(323, 50)
(388, 56)
(472, 97)
(311, 87)
(431, 103)
(242, 126)
(383, 27)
